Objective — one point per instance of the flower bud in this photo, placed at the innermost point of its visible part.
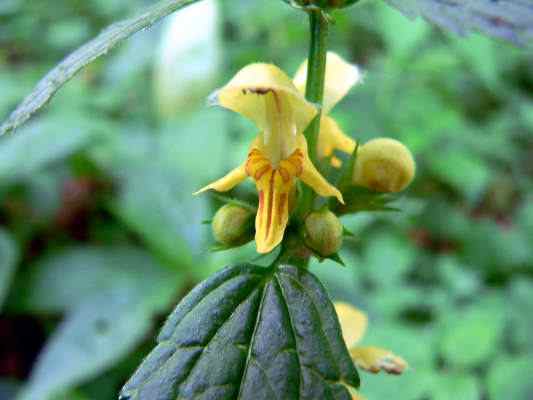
(233, 225)
(323, 232)
(385, 165)
(324, 4)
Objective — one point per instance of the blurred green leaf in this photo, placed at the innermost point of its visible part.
(249, 332)
(457, 386)
(487, 244)
(510, 378)
(68, 33)
(461, 281)
(413, 384)
(8, 263)
(156, 177)
(416, 346)
(46, 141)
(472, 336)
(406, 35)
(69, 279)
(340, 281)
(520, 304)
(387, 258)
(465, 172)
(93, 337)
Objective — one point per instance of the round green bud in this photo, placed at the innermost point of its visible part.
(233, 225)
(384, 165)
(323, 232)
(323, 4)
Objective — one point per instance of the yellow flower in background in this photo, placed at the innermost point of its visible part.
(340, 78)
(354, 324)
(278, 155)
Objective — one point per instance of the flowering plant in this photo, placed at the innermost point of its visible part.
(270, 331)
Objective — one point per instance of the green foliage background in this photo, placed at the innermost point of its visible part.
(100, 236)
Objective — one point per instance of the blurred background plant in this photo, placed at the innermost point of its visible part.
(100, 235)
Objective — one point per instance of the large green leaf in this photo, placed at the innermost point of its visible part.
(249, 332)
(8, 261)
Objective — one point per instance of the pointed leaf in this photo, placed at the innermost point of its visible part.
(249, 332)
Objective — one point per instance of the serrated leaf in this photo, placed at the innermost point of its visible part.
(249, 332)
(8, 262)
(510, 20)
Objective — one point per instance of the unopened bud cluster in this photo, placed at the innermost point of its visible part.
(323, 4)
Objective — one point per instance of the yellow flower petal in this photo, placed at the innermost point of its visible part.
(228, 182)
(313, 178)
(266, 95)
(274, 186)
(353, 323)
(331, 138)
(374, 359)
(341, 76)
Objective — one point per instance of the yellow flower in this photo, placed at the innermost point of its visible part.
(278, 156)
(372, 359)
(340, 78)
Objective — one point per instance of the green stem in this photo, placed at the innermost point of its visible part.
(314, 91)
(316, 74)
